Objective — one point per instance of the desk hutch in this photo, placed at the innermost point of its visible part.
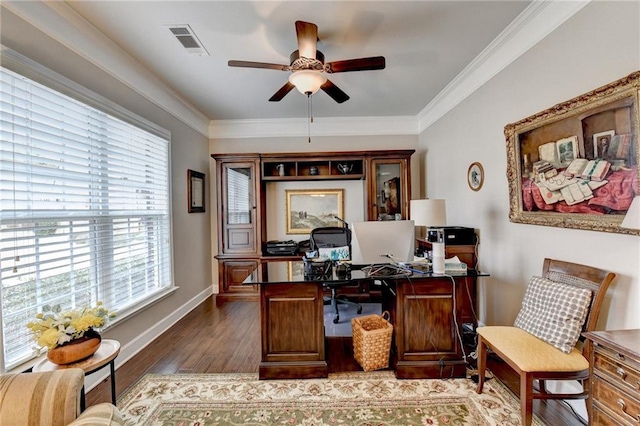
(241, 201)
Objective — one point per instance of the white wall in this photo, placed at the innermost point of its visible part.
(598, 45)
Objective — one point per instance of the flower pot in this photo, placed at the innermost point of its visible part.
(75, 350)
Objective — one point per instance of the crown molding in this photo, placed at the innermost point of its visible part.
(60, 22)
(321, 126)
(536, 22)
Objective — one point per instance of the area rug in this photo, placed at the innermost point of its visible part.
(358, 398)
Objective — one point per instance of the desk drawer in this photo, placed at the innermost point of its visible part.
(600, 418)
(620, 405)
(622, 373)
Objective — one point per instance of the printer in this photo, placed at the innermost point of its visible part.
(281, 248)
(459, 236)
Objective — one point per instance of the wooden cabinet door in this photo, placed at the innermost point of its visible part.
(234, 272)
(426, 330)
(389, 188)
(292, 331)
(239, 207)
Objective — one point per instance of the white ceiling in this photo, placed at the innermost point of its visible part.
(437, 53)
(425, 43)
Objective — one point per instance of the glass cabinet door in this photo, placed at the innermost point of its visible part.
(388, 191)
(239, 207)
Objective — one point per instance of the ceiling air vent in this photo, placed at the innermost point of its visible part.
(188, 39)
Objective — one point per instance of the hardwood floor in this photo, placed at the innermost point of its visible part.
(226, 339)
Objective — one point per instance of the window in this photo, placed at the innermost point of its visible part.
(239, 195)
(85, 213)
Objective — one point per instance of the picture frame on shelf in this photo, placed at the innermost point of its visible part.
(309, 209)
(575, 164)
(195, 191)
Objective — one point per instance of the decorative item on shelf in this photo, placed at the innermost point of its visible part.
(345, 168)
(313, 170)
(71, 335)
(280, 168)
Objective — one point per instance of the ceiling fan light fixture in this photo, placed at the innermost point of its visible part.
(307, 82)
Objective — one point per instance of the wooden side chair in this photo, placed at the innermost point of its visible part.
(548, 345)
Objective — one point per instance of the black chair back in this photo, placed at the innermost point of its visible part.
(330, 236)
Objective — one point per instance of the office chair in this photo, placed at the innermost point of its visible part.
(333, 236)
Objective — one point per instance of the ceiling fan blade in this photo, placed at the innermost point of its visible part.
(281, 93)
(249, 64)
(307, 38)
(334, 91)
(361, 64)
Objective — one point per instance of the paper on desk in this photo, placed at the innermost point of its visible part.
(454, 264)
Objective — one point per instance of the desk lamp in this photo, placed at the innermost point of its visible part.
(432, 213)
(632, 218)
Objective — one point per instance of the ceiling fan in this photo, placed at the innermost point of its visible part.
(308, 68)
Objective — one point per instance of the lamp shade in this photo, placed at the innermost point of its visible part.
(632, 218)
(429, 212)
(307, 82)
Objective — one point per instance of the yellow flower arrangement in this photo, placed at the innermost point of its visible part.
(54, 327)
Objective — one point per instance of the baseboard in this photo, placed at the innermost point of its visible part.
(130, 349)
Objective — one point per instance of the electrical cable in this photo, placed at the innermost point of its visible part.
(388, 270)
(574, 412)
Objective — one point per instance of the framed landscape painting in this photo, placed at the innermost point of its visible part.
(575, 165)
(309, 209)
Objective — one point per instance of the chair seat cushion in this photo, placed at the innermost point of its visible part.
(530, 353)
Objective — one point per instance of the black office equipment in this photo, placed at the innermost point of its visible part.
(333, 236)
(459, 236)
(283, 248)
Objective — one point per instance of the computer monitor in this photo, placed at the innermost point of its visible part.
(372, 241)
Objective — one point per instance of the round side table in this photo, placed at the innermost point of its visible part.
(105, 355)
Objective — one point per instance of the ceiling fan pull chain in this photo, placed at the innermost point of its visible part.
(310, 114)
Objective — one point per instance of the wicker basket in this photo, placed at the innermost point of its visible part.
(372, 341)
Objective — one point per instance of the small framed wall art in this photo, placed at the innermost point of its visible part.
(308, 209)
(195, 191)
(475, 176)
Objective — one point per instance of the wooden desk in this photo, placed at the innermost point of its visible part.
(427, 314)
(426, 311)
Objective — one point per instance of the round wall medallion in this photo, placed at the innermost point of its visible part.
(475, 176)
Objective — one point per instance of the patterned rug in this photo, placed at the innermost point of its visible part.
(358, 398)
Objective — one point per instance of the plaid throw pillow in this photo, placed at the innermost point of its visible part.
(554, 312)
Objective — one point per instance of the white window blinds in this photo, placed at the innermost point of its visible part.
(85, 213)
